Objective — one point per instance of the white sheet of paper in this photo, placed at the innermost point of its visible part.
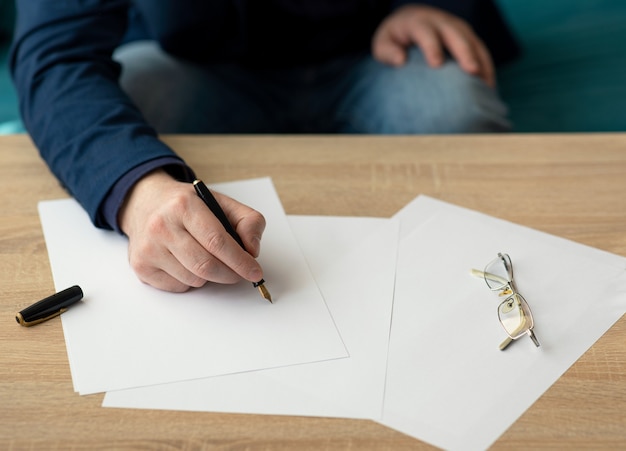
(353, 261)
(447, 382)
(127, 334)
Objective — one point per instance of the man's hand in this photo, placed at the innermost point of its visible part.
(433, 31)
(175, 242)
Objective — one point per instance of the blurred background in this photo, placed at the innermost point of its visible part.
(571, 76)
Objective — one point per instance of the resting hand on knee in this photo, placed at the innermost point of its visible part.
(434, 31)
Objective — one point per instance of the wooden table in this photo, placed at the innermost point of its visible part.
(570, 185)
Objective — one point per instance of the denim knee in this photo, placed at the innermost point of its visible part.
(176, 96)
(164, 89)
(418, 99)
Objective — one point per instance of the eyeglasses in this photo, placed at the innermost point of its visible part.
(514, 313)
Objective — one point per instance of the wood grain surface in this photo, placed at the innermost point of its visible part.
(570, 185)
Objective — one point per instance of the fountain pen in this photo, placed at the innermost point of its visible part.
(203, 193)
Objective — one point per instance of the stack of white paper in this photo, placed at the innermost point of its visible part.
(447, 381)
(357, 287)
(127, 334)
(432, 369)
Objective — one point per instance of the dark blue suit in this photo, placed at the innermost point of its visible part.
(87, 129)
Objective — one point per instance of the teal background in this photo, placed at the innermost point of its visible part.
(572, 74)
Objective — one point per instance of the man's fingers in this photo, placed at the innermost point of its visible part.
(163, 281)
(459, 43)
(176, 242)
(387, 49)
(249, 223)
(469, 51)
(435, 32)
(206, 229)
(155, 266)
(427, 39)
(489, 71)
(184, 263)
(191, 263)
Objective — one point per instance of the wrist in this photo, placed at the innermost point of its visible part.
(144, 188)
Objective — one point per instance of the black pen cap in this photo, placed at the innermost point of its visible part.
(49, 307)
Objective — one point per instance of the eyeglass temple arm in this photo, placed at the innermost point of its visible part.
(505, 344)
(490, 276)
(508, 340)
(532, 336)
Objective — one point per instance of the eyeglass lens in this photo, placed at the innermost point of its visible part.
(515, 316)
(497, 274)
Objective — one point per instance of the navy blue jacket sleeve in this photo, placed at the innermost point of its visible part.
(85, 127)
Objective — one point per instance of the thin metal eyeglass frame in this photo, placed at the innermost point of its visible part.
(507, 287)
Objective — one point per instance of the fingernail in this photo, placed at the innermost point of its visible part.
(256, 245)
(255, 274)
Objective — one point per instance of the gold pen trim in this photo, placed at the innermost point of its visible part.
(265, 293)
(20, 319)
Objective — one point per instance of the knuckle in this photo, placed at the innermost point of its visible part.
(156, 225)
(143, 270)
(206, 269)
(258, 221)
(175, 287)
(197, 282)
(165, 282)
(141, 267)
(178, 202)
(141, 258)
(216, 242)
(136, 258)
(160, 222)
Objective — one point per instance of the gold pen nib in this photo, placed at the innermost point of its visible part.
(264, 292)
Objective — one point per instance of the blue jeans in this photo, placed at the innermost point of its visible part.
(354, 94)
